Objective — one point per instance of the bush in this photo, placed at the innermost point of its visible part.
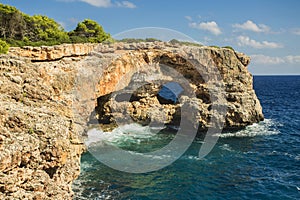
(3, 47)
(78, 39)
(89, 31)
(214, 46)
(229, 47)
(19, 29)
(186, 43)
(152, 40)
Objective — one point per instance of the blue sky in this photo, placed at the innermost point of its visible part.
(267, 30)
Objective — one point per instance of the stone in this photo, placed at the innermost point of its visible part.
(243, 106)
(49, 94)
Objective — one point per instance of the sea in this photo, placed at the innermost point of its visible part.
(261, 161)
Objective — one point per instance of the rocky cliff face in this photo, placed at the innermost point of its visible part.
(132, 82)
(48, 94)
(39, 144)
(51, 53)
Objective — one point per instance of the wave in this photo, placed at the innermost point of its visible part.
(226, 147)
(130, 133)
(284, 154)
(192, 157)
(101, 190)
(134, 134)
(266, 127)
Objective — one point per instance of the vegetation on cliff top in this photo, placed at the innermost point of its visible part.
(3, 47)
(137, 40)
(20, 29)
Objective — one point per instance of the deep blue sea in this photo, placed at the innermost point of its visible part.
(260, 162)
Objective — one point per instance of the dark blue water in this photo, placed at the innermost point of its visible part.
(260, 162)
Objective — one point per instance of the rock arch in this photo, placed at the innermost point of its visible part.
(243, 106)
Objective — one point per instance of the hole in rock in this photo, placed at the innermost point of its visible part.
(170, 93)
(125, 97)
(51, 171)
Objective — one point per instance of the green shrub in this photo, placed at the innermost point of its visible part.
(88, 31)
(186, 43)
(78, 39)
(152, 40)
(229, 47)
(131, 40)
(19, 29)
(3, 47)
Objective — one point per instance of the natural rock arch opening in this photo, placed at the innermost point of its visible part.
(144, 87)
(170, 93)
(128, 87)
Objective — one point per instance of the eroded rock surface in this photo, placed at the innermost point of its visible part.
(49, 94)
(138, 76)
(40, 148)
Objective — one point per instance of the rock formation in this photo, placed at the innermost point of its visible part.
(132, 82)
(48, 94)
(51, 53)
(39, 143)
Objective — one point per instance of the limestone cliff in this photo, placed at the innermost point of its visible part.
(48, 94)
(131, 83)
(39, 144)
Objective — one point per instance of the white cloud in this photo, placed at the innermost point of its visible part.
(208, 26)
(105, 3)
(269, 60)
(188, 18)
(246, 41)
(99, 3)
(293, 59)
(263, 59)
(296, 31)
(126, 4)
(251, 26)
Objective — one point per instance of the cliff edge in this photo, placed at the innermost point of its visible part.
(43, 117)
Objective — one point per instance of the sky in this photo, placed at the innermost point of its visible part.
(266, 30)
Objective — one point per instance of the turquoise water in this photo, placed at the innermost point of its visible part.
(260, 162)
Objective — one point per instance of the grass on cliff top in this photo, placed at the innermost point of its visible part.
(225, 47)
(173, 41)
(137, 40)
(186, 43)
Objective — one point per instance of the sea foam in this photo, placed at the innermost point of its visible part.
(266, 127)
(125, 133)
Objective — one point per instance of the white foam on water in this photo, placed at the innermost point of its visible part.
(126, 133)
(191, 157)
(156, 157)
(105, 192)
(226, 147)
(266, 127)
(285, 154)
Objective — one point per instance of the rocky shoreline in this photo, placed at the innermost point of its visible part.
(48, 94)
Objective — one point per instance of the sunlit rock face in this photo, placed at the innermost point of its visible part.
(133, 84)
(49, 95)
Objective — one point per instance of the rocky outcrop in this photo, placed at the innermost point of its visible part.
(48, 94)
(39, 143)
(51, 53)
(128, 86)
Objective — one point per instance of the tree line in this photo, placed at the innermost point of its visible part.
(20, 29)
